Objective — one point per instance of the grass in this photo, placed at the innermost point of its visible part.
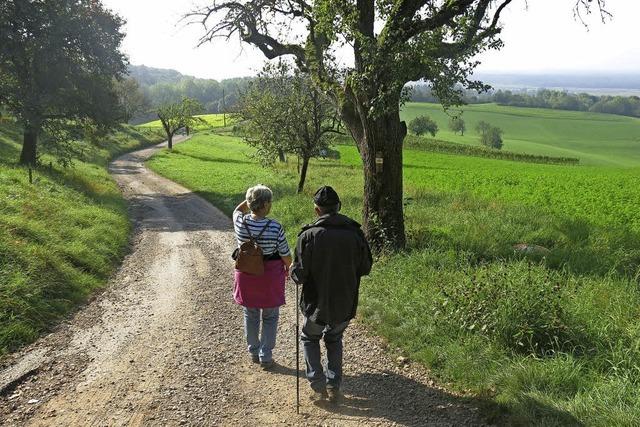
(60, 238)
(211, 121)
(594, 138)
(552, 341)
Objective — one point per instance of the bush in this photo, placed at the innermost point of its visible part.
(423, 124)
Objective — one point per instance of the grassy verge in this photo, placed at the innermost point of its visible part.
(61, 237)
(551, 341)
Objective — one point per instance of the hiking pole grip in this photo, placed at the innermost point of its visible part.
(295, 306)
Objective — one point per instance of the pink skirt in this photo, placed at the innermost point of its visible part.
(266, 291)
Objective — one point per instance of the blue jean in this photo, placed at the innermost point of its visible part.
(311, 335)
(261, 345)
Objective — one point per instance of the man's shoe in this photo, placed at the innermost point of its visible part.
(266, 365)
(255, 358)
(335, 395)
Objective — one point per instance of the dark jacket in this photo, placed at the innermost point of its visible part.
(331, 256)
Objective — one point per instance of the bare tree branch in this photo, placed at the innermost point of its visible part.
(586, 7)
(248, 21)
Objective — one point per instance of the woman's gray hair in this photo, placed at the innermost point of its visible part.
(258, 197)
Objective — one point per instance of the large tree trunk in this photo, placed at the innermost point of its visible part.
(380, 144)
(29, 154)
(303, 173)
(170, 141)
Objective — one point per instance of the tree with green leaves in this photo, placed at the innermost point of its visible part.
(423, 124)
(179, 115)
(58, 62)
(492, 137)
(131, 99)
(457, 124)
(393, 42)
(482, 127)
(285, 113)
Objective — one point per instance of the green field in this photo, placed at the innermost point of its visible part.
(596, 139)
(552, 341)
(60, 237)
(211, 121)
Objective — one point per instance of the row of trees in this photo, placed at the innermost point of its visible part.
(161, 87)
(214, 96)
(421, 125)
(544, 98)
(490, 136)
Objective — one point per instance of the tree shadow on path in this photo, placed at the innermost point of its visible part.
(402, 400)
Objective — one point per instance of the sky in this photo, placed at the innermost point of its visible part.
(542, 37)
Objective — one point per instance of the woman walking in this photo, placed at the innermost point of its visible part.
(261, 296)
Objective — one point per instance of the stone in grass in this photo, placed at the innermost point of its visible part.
(535, 251)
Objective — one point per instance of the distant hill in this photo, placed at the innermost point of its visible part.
(162, 86)
(148, 76)
(165, 85)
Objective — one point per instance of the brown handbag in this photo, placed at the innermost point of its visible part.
(250, 259)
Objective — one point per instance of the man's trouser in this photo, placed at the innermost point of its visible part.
(311, 335)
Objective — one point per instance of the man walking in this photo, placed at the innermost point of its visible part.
(331, 256)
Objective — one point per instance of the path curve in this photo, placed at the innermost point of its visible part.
(163, 345)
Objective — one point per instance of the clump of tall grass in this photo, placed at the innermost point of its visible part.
(542, 342)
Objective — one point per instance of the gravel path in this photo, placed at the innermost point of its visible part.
(164, 344)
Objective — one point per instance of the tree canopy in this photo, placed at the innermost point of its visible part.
(58, 60)
(285, 113)
(131, 99)
(423, 124)
(491, 137)
(176, 116)
(457, 124)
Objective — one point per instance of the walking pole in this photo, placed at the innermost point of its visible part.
(297, 352)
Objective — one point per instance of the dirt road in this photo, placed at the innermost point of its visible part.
(164, 344)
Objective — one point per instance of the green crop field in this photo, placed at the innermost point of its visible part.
(60, 237)
(596, 139)
(546, 341)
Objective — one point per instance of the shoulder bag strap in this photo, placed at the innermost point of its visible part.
(251, 238)
(255, 239)
(263, 229)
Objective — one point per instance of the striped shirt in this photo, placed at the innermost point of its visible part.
(271, 241)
